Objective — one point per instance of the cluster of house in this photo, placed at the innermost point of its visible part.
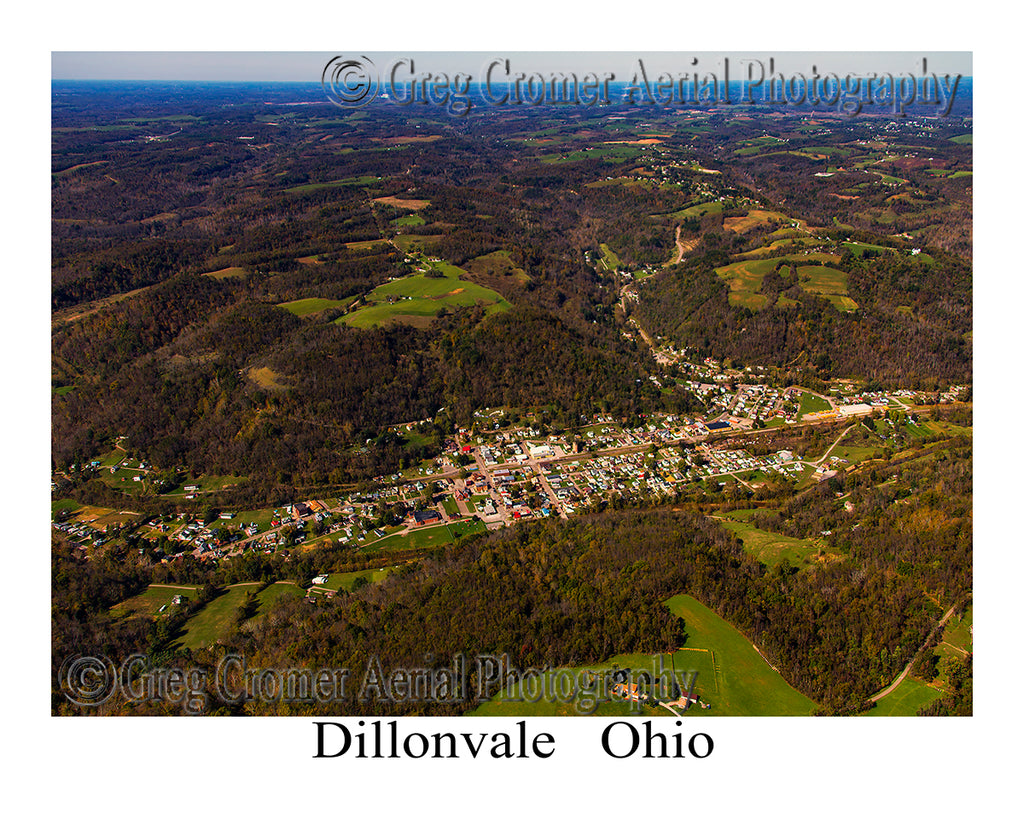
(81, 532)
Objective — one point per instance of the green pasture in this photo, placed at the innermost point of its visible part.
(148, 603)
(65, 504)
(827, 282)
(347, 580)
(307, 307)
(744, 279)
(906, 699)
(216, 620)
(274, 592)
(737, 681)
(498, 263)
(356, 181)
(424, 297)
(697, 211)
(608, 258)
(768, 547)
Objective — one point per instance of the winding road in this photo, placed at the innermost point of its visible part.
(903, 675)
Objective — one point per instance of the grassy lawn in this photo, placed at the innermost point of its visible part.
(66, 504)
(735, 679)
(149, 602)
(768, 547)
(811, 403)
(905, 701)
(450, 506)
(306, 307)
(428, 537)
(216, 619)
(346, 580)
(609, 260)
(275, 591)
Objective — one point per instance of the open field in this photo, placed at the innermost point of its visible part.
(227, 273)
(737, 680)
(411, 242)
(809, 402)
(65, 504)
(267, 378)
(754, 218)
(906, 700)
(498, 263)
(787, 244)
(697, 211)
(78, 167)
(421, 296)
(768, 547)
(744, 279)
(207, 483)
(611, 153)
(957, 634)
(428, 537)
(409, 140)
(858, 248)
(406, 204)
(274, 592)
(609, 261)
(216, 619)
(827, 282)
(148, 603)
(307, 307)
(356, 181)
(100, 518)
(347, 580)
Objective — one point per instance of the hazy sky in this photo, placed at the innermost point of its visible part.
(307, 66)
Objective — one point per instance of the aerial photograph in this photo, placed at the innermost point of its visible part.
(512, 385)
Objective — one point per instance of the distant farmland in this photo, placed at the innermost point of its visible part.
(745, 279)
(307, 307)
(417, 299)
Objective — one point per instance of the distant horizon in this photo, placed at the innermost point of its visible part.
(307, 67)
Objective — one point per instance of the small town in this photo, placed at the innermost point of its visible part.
(496, 474)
